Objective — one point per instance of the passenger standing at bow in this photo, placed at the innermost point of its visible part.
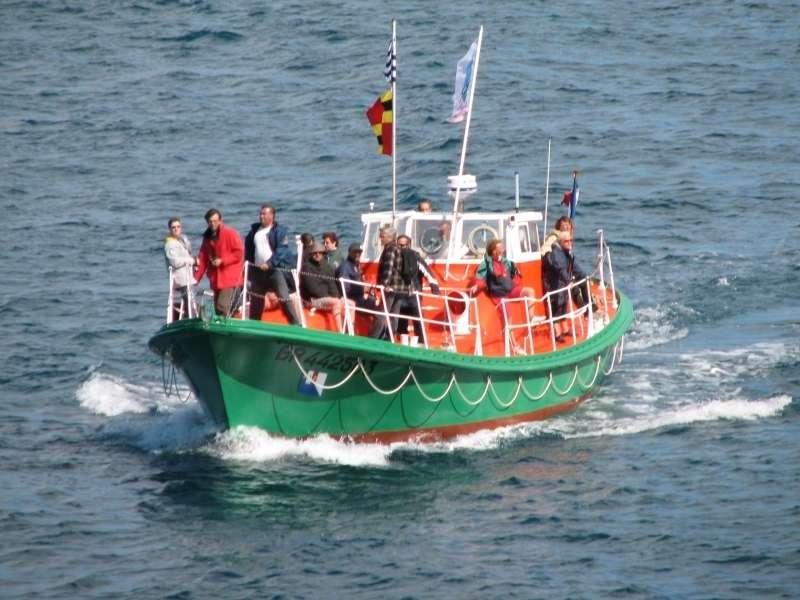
(560, 270)
(221, 257)
(267, 249)
(390, 276)
(178, 254)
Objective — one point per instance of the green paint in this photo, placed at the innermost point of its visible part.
(244, 374)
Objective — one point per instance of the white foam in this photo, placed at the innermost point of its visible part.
(653, 327)
(108, 395)
(723, 281)
(729, 365)
(143, 415)
(733, 409)
(257, 445)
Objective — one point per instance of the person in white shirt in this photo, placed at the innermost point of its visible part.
(266, 247)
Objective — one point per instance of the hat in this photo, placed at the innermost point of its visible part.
(354, 248)
(317, 247)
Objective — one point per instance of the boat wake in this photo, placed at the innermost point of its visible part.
(655, 326)
(144, 416)
(675, 389)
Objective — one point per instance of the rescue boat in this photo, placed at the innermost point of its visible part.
(478, 365)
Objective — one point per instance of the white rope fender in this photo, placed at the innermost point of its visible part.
(529, 396)
(379, 390)
(587, 386)
(436, 399)
(488, 387)
(322, 386)
(514, 399)
(482, 396)
(569, 387)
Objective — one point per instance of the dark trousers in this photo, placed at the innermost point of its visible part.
(379, 329)
(272, 280)
(409, 307)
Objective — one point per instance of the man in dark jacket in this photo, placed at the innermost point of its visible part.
(414, 269)
(560, 270)
(351, 269)
(390, 275)
(266, 247)
(318, 285)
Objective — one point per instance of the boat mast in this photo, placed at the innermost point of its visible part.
(392, 69)
(546, 187)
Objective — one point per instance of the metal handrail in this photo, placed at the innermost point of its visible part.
(603, 259)
(384, 313)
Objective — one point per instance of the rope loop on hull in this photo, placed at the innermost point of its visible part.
(489, 387)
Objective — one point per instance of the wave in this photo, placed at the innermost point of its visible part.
(222, 35)
(656, 325)
(143, 415)
(734, 409)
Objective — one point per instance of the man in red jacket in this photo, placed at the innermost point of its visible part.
(222, 256)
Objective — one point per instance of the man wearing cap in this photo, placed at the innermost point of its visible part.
(351, 269)
(267, 250)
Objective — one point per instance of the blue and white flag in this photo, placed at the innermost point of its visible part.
(464, 71)
(571, 198)
(390, 71)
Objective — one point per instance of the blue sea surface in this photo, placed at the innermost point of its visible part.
(679, 479)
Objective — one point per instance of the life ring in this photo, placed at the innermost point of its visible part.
(431, 240)
(479, 237)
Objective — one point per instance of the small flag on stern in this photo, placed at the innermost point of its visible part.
(390, 71)
(571, 197)
(464, 70)
(380, 117)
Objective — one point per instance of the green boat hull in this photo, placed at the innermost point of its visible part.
(298, 382)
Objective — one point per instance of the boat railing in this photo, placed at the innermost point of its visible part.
(575, 316)
(181, 301)
(453, 324)
(595, 307)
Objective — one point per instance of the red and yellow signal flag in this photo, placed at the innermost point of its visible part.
(380, 116)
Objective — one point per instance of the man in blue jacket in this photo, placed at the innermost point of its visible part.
(267, 250)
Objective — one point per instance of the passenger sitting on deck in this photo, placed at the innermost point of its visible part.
(308, 242)
(318, 284)
(333, 254)
(498, 275)
(560, 270)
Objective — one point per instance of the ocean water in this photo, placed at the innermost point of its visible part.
(679, 479)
